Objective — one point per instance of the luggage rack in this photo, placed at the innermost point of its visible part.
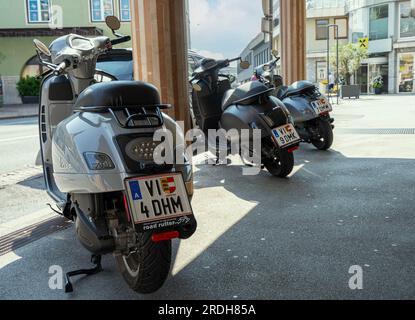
(133, 114)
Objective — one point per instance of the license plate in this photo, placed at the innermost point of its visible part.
(286, 135)
(321, 106)
(159, 202)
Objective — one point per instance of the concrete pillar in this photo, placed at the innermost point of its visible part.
(160, 47)
(293, 40)
(393, 67)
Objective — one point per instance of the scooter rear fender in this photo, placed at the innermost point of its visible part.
(254, 117)
(300, 108)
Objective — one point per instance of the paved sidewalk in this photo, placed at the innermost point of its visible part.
(18, 111)
(265, 238)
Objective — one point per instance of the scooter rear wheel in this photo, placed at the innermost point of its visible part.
(282, 166)
(326, 136)
(146, 270)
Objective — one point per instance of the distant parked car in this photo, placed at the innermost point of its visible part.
(119, 63)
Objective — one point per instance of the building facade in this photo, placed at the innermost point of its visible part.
(320, 13)
(389, 25)
(23, 20)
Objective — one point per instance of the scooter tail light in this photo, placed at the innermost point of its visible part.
(127, 209)
(159, 237)
(291, 150)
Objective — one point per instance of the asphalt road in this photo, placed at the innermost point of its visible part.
(21, 189)
(19, 144)
(264, 238)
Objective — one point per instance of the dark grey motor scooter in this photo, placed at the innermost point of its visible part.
(309, 108)
(249, 106)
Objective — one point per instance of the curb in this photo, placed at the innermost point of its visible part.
(18, 117)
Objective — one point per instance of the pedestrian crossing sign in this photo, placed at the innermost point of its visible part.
(364, 43)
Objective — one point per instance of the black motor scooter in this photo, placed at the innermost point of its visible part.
(249, 106)
(309, 108)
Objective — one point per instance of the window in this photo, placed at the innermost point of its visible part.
(378, 22)
(38, 11)
(407, 22)
(321, 29)
(125, 12)
(100, 9)
(321, 71)
(343, 27)
(406, 72)
(248, 58)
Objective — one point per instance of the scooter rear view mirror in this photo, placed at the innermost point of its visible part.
(275, 53)
(41, 47)
(113, 23)
(244, 65)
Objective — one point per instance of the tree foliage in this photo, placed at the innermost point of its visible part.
(350, 59)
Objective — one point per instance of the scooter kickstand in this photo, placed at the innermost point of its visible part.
(95, 259)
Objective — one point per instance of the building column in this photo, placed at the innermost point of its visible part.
(293, 40)
(159, 29)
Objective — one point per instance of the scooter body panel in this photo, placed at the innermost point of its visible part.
(252, 116)
(72, 140)
(300, 108)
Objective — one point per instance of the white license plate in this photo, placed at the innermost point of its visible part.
(321, 106)
(286, 135)
(158, 201)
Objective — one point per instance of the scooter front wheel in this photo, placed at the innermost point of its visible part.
(325, 131)
(282, 165)
(147, 269)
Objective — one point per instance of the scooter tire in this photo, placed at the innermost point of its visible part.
(152, 261)
(326, 136)
(281, 167)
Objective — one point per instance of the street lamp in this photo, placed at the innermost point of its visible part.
(336, 29)
(268, 21)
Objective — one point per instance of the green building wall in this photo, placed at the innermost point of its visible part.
(16, 51)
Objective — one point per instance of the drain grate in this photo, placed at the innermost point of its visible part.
(404, 131)
(22, 237)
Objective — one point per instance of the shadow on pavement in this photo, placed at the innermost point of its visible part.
(37, 182)
(287, 239)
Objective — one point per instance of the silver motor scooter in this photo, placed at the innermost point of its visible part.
(97, 151)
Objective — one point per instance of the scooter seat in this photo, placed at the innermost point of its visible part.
(245, 94)
(118, 94)
(281, 92)
(295, 89)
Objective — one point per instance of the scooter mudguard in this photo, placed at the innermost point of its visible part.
(252, 116)
(300, 108)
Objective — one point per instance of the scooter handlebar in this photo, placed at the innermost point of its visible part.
(120, 40)
(61, 68)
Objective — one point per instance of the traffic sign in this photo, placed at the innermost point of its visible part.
(364, 43)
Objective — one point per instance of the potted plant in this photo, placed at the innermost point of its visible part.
(377, 84)
(28, 89)
(350, 59)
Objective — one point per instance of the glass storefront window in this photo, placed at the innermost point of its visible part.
(406, 72)
(378, 22)
(100, 9)
(407, 22)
